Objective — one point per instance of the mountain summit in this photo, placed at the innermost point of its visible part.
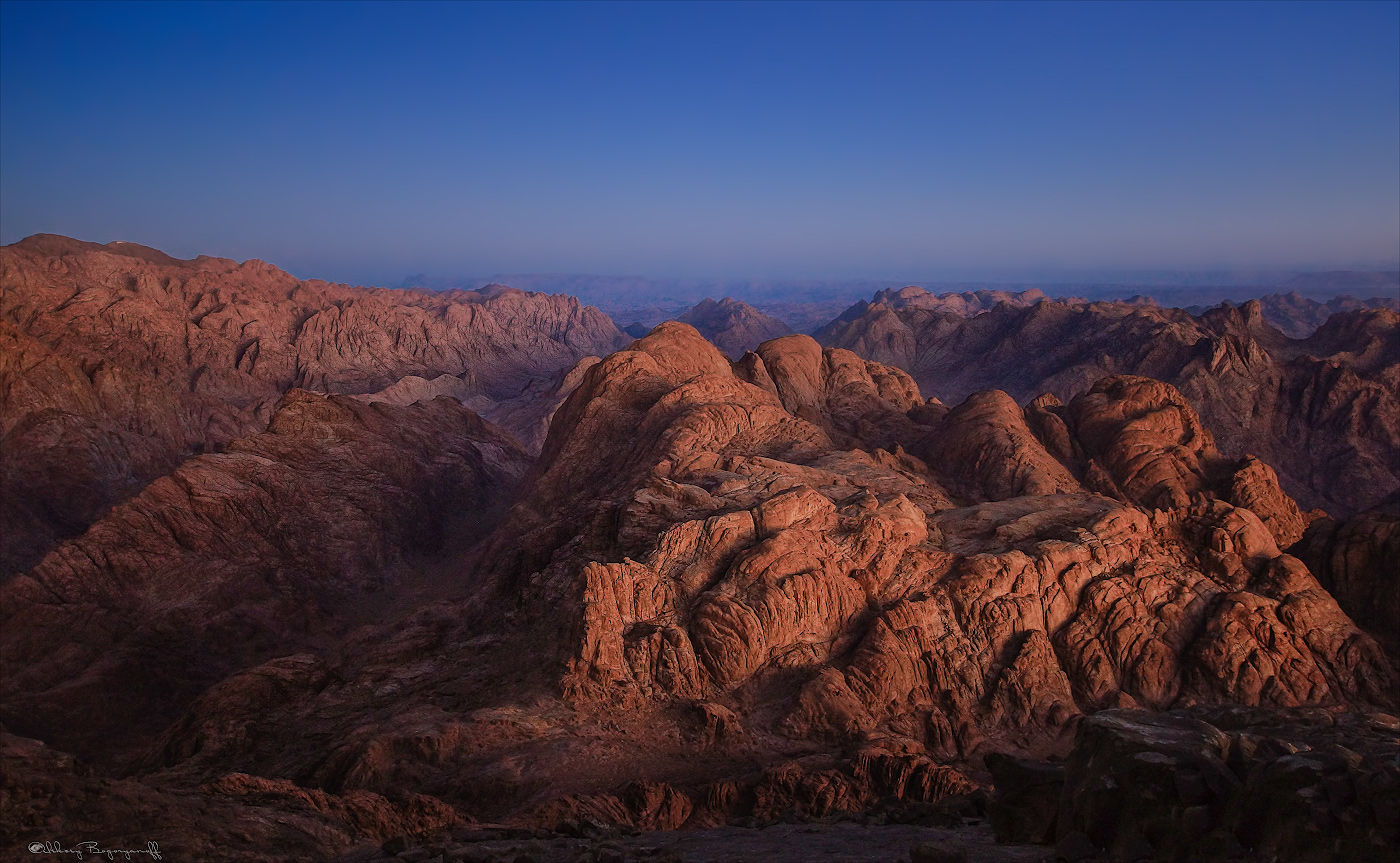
(733, 326)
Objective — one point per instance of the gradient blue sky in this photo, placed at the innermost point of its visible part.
(362, 142)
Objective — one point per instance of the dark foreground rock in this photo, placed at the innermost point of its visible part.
(1224, 783)
(783, 843)
(1357, 560)
(51, 799)
(54, 802)
(235, 559)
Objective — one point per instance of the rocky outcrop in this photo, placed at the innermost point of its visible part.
(733, 326)
(50, 797)
(785, 791)
(1210, 784)
(1298, 317)
(237, 557)
(750, 545)
(1148, 440)
(880, 330)
(855, 401)
(1321, 411)
(1254, 486)
(1358, 562)
(776, 588)
(119, 362)
(986, 443)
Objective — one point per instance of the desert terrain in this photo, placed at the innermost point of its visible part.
(295, 570)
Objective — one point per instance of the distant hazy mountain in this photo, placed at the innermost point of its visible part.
(733, 326)
(807, 305)
(619, 293)
(1365, 283)
(1298, 317)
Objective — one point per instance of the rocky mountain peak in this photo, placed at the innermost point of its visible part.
(732, 325)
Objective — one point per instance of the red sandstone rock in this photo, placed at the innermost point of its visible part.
(733, 326)
(1358, 562)
(986, 443)
(1148, 439)
(1322, 411)
(237, 557)
(117, 362)
(760, 564)
(786, 586)
(1254, 486)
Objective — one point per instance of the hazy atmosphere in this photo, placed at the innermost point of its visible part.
(1001, 141)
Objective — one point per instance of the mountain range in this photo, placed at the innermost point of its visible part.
(296, 570)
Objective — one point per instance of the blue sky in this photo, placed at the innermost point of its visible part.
(363, 141)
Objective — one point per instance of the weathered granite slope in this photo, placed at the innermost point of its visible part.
(238, 557)
(782, 587)
(120, 361)
(1358, 562)
(720, 549)
(1322, 411)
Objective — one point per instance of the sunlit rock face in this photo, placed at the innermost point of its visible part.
(1320, 410)
(736, 537)
(117, 362)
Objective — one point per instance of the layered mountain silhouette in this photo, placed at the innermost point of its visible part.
(306, 571)
(1322, 410)
(1298, 317)
(731, 325)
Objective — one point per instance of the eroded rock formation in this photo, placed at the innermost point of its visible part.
(734, 539)
(119, 361)
(1321, 411)
(783, 586)
(241, 556)
(1358, 562)
(733, 326)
